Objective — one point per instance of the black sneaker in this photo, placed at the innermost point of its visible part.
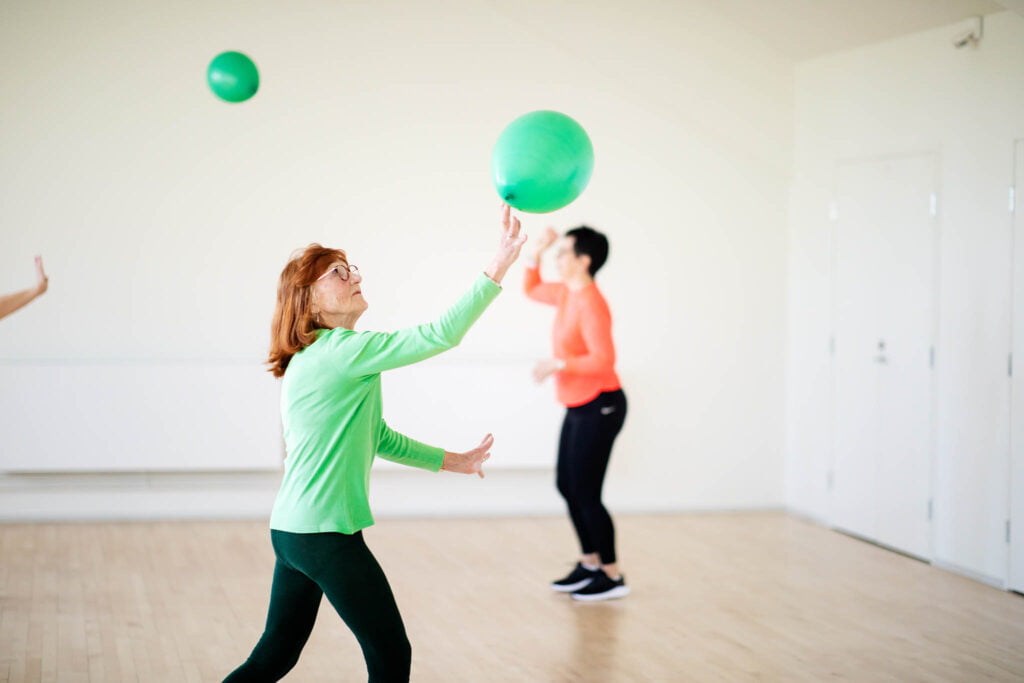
(602, 588)
(577, 579)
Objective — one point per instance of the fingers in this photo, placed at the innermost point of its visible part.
(41, 279)
(484, 454)
(510, 224)
(487, 442)
(480, 465)
(539, 372)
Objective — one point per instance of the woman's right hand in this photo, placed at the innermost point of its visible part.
(509, 246)
(470, 462)
(546, 240)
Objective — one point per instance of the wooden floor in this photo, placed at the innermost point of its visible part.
(715, 598)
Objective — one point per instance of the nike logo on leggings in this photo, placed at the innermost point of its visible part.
(607, 410)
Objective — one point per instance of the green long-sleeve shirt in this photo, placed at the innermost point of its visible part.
(333, 428)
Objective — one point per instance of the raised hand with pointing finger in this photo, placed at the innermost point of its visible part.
(9, 303)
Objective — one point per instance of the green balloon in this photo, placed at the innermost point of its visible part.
(233, 77)
(542, 161)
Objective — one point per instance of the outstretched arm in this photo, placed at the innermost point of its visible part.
(9, 303)
(403, 450)
(397, 447)
(375, 352)
(533, 285)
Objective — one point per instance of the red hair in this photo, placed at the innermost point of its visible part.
(294, 326)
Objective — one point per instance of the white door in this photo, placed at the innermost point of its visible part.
(856, 289)
(884, 326)
(1016, 574)
(906, 330)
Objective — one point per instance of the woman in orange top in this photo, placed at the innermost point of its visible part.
(586, 383)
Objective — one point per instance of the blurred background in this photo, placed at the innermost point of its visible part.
(812, 275)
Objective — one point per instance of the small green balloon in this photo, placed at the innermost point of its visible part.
(542, 161)
(233, 77)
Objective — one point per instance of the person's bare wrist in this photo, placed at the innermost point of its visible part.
(496, 271)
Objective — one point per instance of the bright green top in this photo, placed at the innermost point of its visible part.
(331, 409)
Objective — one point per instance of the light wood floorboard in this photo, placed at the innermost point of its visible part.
(716, 597)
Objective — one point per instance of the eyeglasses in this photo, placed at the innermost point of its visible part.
(342, 271)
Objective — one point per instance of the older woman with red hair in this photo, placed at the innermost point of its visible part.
(333, 429)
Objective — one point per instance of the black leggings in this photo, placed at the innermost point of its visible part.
(343, 568)
(585, 446)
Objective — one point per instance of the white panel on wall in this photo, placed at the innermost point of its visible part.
(1016, 573)
(117, 416)
(884, 329)
(492, 397)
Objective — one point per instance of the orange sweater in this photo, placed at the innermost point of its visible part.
(582, 339)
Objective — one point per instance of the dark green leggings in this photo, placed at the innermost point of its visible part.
(343, 568)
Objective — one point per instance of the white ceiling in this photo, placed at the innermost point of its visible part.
(800, 29)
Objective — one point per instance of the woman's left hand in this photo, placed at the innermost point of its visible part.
(470, 462)
(545, 368)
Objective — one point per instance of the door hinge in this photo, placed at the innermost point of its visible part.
(1007, 531)
(930, 509)
(933, 204)
(1013, 200)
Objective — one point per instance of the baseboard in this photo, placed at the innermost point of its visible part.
(151, 496)
(993, 581)
(147, 496)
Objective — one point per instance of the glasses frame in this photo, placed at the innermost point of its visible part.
(344, 272)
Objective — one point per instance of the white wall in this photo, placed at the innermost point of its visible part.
(165, 216)
(918, 94)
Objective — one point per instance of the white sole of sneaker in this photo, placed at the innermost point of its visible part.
(569, 588)
(617, 592)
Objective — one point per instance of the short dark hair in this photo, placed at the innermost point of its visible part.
(592, 243)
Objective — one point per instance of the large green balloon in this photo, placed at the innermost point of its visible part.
(542, 161)
(233, 77)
